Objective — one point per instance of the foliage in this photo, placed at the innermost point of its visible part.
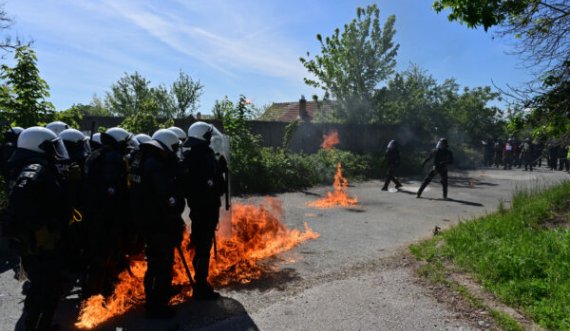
(133, 93)
(95, 108)
(520, 255)
(289, 132)
(141, 122)
(186, 92)
(221, 108)
(71, 116)
(23, 92)
(7, 44)
(413, 99)
(541, 30)
(353, 63)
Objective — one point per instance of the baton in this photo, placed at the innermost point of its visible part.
(185, 265)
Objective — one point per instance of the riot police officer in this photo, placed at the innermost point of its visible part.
(107, 212)
(441, 157)
(392, 159)
(38, 216)
(202, 184)
(8, 147)
(157, 208)
(57, 126)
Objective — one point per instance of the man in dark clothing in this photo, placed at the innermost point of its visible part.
(441, 157)
(527, 154)
(392, 160)
(563, 163)
(203, 185)
(157, 208)
(488, 153)
(552, 156)
(508, 152)
(37, 217)
(106, 212)
(8, 147)
(498, 153)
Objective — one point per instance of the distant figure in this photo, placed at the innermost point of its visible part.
(487, 152)
(392, 159)
(498, 150)
(563, 158)
(527, 154)
(441, 157)
(508, 152)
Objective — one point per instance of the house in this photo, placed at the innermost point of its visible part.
(298, 110)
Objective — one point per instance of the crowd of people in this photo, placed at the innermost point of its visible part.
(527, 153)
(80, 207)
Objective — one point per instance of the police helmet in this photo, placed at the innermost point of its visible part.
(179, 132)
(392, 144)
(44, 141)
(168, 139)
(96, 138)
(57, 126)
(75, 138)
(442, 143)
(142, 138)
(201, 131)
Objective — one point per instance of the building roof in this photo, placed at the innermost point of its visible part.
(289, 111)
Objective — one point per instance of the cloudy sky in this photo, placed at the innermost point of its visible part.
(249, 47)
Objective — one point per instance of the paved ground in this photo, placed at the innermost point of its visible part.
(351, 278)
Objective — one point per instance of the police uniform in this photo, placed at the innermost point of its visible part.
(202, 184)
(441, 157)
(157, 208)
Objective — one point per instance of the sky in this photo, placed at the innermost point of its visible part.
(245, 47)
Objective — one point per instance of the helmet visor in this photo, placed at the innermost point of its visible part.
(56, 148)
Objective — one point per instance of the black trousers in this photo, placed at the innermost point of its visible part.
(391, 177)
(44, 271)
(204, 223)
(442, 171)
(158, 277)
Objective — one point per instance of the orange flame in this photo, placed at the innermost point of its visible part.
(257, 233)
(338, 197)
(330, 140)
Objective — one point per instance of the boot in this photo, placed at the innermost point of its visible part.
(445, 192)
(204, 291)
(424, 184)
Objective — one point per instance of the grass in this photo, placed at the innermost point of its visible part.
(522, 255)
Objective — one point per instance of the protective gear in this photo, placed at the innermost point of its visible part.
(7, 148)
(157, 206)
(200, 131)
(77, 144)
(392, 160)
(43, 141)
(442, 143)
(57, 127)
(168, 139)
(179, 132)
(38, 216)
(142, 138)
(203, 185)
(441, 158)
(117, 138)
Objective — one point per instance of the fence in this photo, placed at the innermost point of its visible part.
(306, 138)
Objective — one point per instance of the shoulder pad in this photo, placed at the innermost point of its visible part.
(29, 173)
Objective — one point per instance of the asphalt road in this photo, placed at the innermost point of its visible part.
(351, 278)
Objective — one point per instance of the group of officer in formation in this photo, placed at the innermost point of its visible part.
(80, 207)
(515, 153)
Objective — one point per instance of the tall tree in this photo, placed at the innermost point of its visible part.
(353, 63)
(7, 44)
(542, 29)
(186, 93)
(128, 94)
(23, 92)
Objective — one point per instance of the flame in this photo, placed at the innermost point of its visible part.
(338, 197)
(330, 139)
(257, 233)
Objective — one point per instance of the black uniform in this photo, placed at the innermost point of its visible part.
(563, 163)
(498, 153)
(527, 155)
(38, 216)
(157, 208)
(488, 153)
(203, 184)
(392, 159)
(441, 157)
(553, 156)
(7, 147)
(107, 218)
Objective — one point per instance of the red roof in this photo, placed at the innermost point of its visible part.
(289, 111)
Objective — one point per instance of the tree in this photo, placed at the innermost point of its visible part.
(542, 28)
(186, 93)
(353, 63)
(128, 94)
(23, 92)
(7, 44)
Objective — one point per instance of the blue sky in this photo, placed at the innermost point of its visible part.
(234, 47)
